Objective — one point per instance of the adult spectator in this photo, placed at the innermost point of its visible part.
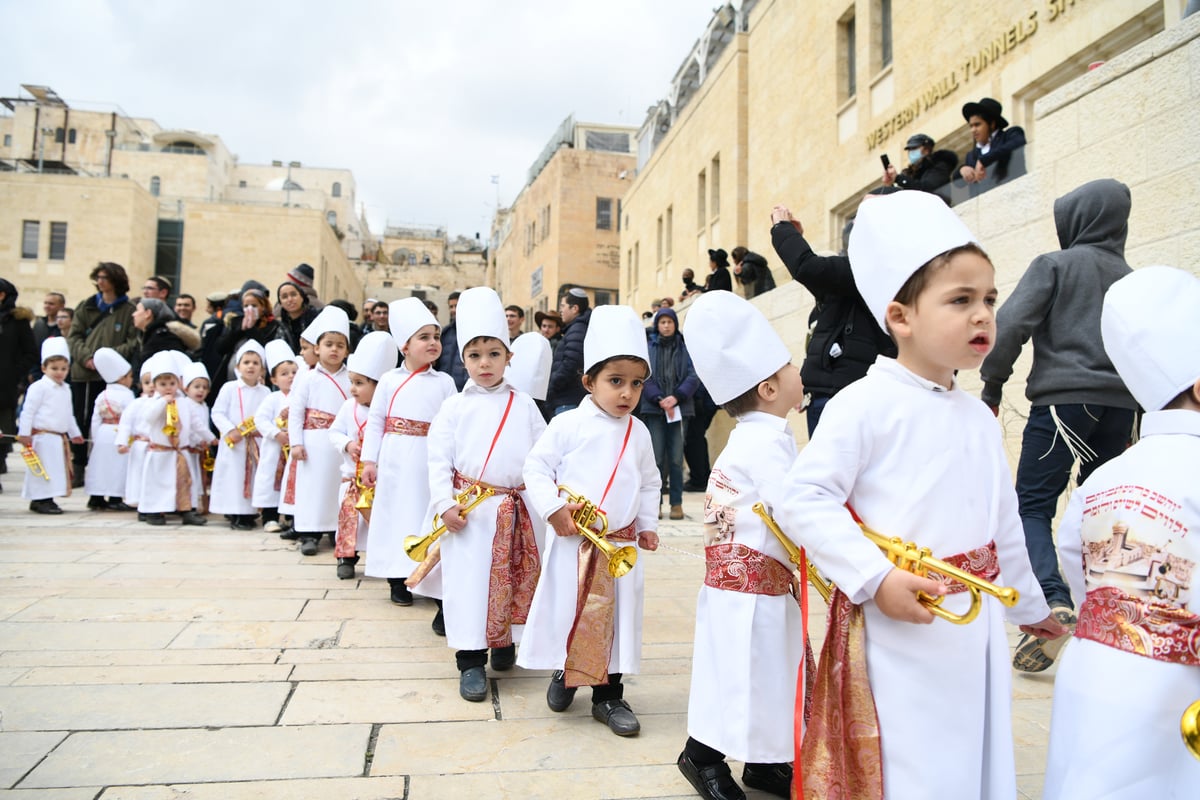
(994, 141)
(550, 324)
(667, 302)
(356, 333)
(185, 309)
(46, 326)
(655, 305)
(18, 357)
(566, 371)
(845, 339)
(256, 322)
(695, 441)
(515, 316)
(450, 361)
(666, 405)
(64, 318)
(103, 320)
(161, 330)
(293, 312)
(303, 276)
(211, 330)
(928, 170)
(690, 287)
(752, 272)
(156, 287)
(368, 307)
(718, 272)
(429, 304)
(1080, 406)
(379, 317)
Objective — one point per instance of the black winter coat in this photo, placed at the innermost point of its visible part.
(840, 323)
(719, 278)
(756, 273)
(566, 371)
(931, 173)
(18, 354)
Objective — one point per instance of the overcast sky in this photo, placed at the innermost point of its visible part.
(423, 101)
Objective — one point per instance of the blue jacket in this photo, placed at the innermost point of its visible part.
(684, 392)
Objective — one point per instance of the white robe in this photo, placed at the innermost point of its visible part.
(48, 407)
(302, 374)
(1114, 730)
(459, 439)
(157, 495)
(131, 425)
(235, 402)
(349, 426)
(579, 450)
(269, 450)
(402, 487)
(748, 647)
(200, 441)
(106, 468)
(925, 464)
(316, 505)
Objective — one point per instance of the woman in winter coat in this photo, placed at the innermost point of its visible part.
(667, 395)
(294, 312)
(161, 330)
(18, 356)
(256, 321)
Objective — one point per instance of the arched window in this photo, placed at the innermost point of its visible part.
(155, 186)
(337, 190)
(331, 218)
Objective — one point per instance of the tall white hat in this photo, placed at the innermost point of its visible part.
(111, 365)
(180, 360)
(375, 355)
(732, 346)
(250, 346)
(161, 363)
(55, 347)
(331, 320)
(529, 370)
(194, 371)
(406, 317)
(895, 235)
(278, 351)
(1148, 324)
(614, 331)
(480, 313)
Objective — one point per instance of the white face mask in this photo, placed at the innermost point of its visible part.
(914, 156)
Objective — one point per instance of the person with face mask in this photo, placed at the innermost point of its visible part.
(928, 170)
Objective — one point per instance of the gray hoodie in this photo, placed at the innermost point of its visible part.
(1058, 302)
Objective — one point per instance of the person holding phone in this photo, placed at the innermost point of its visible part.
(927, 169)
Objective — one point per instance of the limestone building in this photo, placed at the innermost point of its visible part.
(563, 228)
(78, 186)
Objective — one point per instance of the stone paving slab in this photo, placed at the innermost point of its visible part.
(77, 793)
(350, 670)
(105, 758)
(337, 702)
(159, 609)
(154, 673)
(313, 789)
(21, 751)
(257, 634)
(35, 658)
(88, 635)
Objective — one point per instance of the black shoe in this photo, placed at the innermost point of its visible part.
(333, 538)
(401, 596)
(156, 519)
(503, 658)
(308, 546)
(618, 716)
(242, 523)
(289, 534)
(193, 518)
(77, 481)
(118, 505)
(559, 696)
(439, 624)
(472, 684)
(345, 568)
(773, 779)
(713, 782)
(141, 517)
(96, 503)
(45, 507)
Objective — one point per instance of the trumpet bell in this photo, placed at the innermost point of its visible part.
(1189, 726)
(620, 559)
(366, 498)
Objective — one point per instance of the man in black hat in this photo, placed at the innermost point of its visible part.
(994, 140)
(718, 277)
(928, 170)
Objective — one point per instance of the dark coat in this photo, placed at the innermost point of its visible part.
(566, 371)
(18, 354)
(93, 329)
(718, 279)
(450, 361)
(930, 173)
(686, 389)
(840, 317)
(233, 338)
(756, 274)
(170, 335)
(1004, 142)
(290, 329)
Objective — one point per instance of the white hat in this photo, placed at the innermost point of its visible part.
(181, 362)
(111, 365)
(406, 317)
(480, 313)
(732, 346)
(895, 235)
(250, 346)
(55, 347)
(194, 371)
(614, 331)
(331, 320)
(1149, 329)
(375, 355)
(278, 351)
(161, 363)
(529, 370)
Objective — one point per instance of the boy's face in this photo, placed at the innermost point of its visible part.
(618, 386)
(332, 351)
(362, 388)
(485, 359)
(56, 369)
(791, 388)
(250, 368)
(198, 389)
(423, 347)
(308, 352)
(166, 385)
(147, 384)
(283, 376)
(952, 324)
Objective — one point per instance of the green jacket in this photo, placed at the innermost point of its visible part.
(93, 329)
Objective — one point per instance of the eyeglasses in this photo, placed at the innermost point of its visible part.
(150, 288)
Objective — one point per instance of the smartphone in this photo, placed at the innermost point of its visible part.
(885, 160)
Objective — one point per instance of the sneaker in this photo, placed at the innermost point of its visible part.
(713, 782)
(345, 568)
(472, 684)
(272, 527)
(1034, 654)
(401, 596)
(676, 512)
(156, 519)
(503, 658)
(773, 779)
(618, 716)
(308, 546)
(559, 696)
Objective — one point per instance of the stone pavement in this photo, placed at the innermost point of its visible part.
(141, 663)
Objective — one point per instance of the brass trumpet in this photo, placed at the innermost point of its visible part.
(36, 468)
(209, 463)
(1189, 726)
(366, 494)
(246, 428)
(795, 554)
(620, 559)
(417, 547)
(172, 426)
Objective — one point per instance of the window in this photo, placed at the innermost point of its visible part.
(603, 297)
(846, 62)
(701, 200)
(155, 186)
(331, 218)
(337, 190)
(30, 231)
(168, 250)
(670, 230)
(604, 210)
(885, 33)
(58, 241)
(619, 216)
(388, 284)
(659, 240)
(715, 172)
(241, 184)
(71, 136)
(60, 135)
(8, 140)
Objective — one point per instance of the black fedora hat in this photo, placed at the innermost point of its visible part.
(720, 257)
(988, 109)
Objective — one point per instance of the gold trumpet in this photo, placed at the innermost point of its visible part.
(795, 554)
(209, 463)
(172, 426)
(920, 561)
(246, 428)
(1189, 726)
(366, 494)
(36, 468)
(620, 559)
(281, 423)
(417, 547)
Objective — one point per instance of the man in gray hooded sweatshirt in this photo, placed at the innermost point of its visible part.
(1080, 407)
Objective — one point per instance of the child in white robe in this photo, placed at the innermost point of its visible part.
(238, 452)
(272, 460)
(132, 439)
(1129, 549)
(106, 468)
(312, 480)
(914, 457)
(479, 440)
(45, 427)
(750, 629)
(394, 454)
(170, 426)
(375, 355)
(600, 452)
(198, 455)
